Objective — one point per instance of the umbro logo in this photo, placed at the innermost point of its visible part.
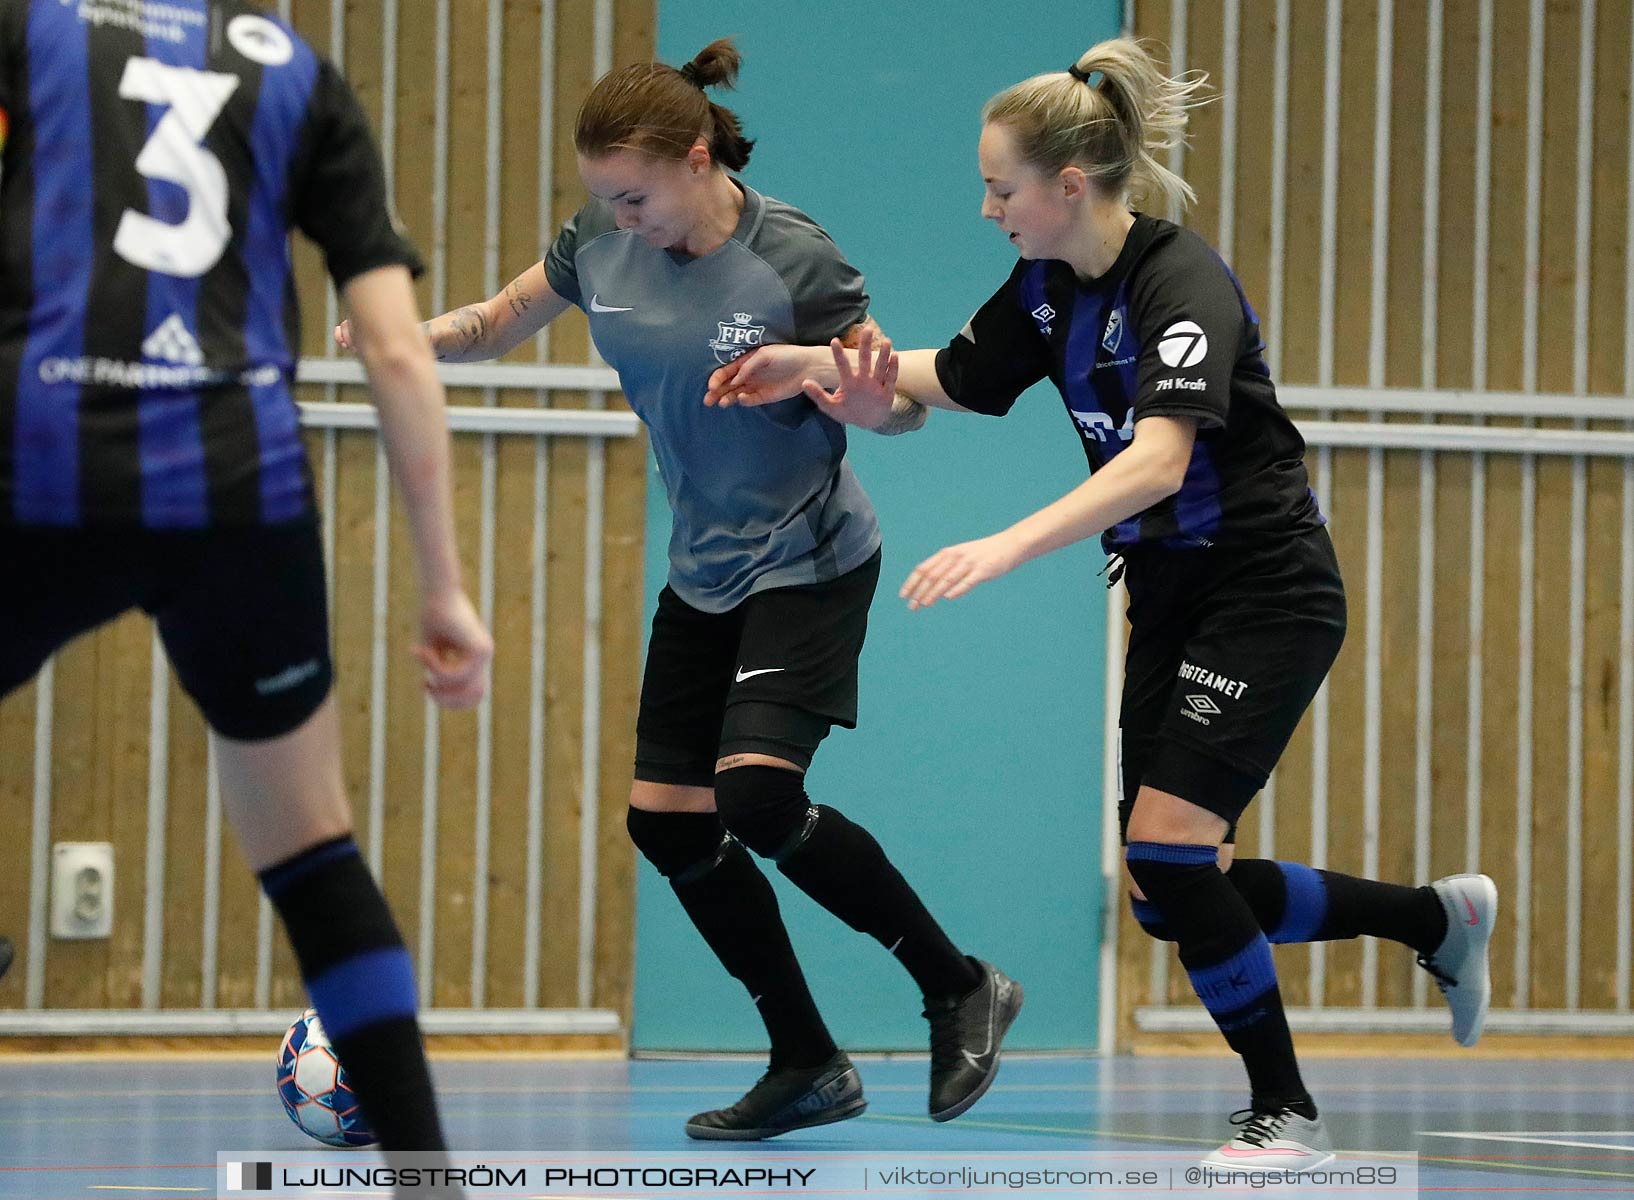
(174, 343)
(1202, 704)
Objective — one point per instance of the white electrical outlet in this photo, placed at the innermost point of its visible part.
(82, 890)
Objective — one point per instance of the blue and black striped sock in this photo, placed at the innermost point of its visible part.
(1296, 903)
(1228, 959)
(361, 981)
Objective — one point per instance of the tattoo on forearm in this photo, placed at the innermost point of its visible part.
(469, 329)
(907, 415)
(519, 299)
(852, 337)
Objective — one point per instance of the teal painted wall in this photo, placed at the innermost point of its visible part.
(977, 760)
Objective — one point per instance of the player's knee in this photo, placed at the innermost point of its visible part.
(765, 808)
(682, 845)
(1164, 870)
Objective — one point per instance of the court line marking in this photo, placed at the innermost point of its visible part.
(1515, 1166)
(1541, 1138)
(1089, 1090)
(1531, 1133)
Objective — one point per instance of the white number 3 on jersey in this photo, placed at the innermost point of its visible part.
(175, 153)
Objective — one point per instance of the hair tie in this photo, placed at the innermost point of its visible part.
(1080, 75)
(690, 73)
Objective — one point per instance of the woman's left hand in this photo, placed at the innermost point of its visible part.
(864, 395)
(954, 570)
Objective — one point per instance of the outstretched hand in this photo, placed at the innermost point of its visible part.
(771, 373)
(954, 570)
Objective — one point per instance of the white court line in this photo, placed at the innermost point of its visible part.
(1526, 1138)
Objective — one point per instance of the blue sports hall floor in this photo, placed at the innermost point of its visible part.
(109, 1127)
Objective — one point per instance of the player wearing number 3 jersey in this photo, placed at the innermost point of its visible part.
(156, 157)
(149, 189)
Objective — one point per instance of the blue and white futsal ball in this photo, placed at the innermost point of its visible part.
(313, 1086)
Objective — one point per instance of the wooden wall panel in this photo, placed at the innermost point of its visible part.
(16, 808)
(100, 766)
(520, 243)
(1398, 713)
(182, 982)
(1601, 716)
(1455, 265)
(1251, 230)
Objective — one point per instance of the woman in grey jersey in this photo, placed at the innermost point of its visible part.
(1236, 604)
(774, 558)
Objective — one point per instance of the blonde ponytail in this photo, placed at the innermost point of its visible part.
(1114, 130)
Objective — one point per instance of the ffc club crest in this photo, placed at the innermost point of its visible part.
(736, 338)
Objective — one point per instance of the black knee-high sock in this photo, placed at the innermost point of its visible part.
(1228, 959)
(361, 981)
(733, 906)
(1296, 903)
(840, 865)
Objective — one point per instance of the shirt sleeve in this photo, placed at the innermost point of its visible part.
(826, 290)
(999, 354)
(561, 271)
(339, 187)
(1188, 316)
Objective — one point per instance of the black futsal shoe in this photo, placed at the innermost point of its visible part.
(965, 1035)
(6, 955)
(785, 1100)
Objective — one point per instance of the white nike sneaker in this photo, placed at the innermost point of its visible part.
(1459, 964)
(1274, 1141)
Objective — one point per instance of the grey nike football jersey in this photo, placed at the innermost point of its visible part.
(761, 497)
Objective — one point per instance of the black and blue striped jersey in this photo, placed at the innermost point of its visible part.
(156, 157)
(1166, 331)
